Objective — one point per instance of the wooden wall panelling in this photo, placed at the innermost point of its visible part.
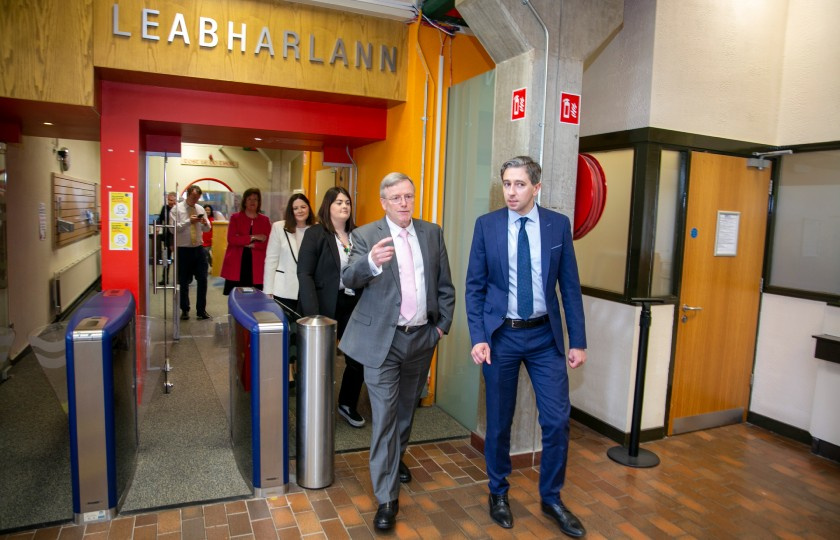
(47, 51)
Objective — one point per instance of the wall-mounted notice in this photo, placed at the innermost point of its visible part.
(517, 104)
(120, 237)
(726, 236)
(121, 223)
(119, 206)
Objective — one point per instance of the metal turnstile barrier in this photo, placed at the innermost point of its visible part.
(101, 391)
(315, 408)
(259, 389)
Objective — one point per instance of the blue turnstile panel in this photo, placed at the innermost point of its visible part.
(101, 391)
(259, 389)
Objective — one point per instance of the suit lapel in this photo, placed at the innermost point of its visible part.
(425, 249)
(501, 235)
(384, 232)
(333, 247)
(546, 230)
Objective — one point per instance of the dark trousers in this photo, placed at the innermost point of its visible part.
(536, 348)
(354, 372)
(192, 263)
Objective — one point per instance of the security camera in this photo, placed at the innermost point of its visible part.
(64, 158)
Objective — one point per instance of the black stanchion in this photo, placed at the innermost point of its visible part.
(633, 456)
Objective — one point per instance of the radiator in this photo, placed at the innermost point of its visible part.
(70, 282)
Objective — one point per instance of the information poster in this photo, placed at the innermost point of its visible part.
(120, 238)
(121, 220)
(726, 237)
(120, 206)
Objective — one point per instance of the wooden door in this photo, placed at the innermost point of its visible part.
(726, 221)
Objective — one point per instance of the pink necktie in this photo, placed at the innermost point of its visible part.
(406, 263)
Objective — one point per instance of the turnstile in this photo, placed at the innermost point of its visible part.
(102, 405)
(259, 389)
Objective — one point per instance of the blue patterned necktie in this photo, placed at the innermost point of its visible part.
(524, 286)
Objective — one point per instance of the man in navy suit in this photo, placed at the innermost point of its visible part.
(519, 255)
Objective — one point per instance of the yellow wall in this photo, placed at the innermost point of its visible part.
(402, 151)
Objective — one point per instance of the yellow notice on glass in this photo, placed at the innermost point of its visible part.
(120, 206)
(120, 236)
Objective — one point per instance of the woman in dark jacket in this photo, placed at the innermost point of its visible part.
(324, 252)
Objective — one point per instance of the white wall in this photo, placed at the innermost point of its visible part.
(791, 385)
(604, 388)
(809, 103)
(32, 261)
(763, 71)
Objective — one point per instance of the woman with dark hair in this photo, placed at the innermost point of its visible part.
(280, 273)
(280, 279)
(248, 233)
(325, 251)
(207, 236)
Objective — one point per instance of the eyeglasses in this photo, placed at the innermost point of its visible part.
(397, 199)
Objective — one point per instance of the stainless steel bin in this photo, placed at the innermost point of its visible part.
(315, 407)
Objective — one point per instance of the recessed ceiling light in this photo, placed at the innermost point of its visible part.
(257, 138)
(48, 123)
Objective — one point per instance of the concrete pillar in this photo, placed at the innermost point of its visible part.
(514, 37)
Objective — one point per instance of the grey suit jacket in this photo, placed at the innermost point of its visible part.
(371, 328)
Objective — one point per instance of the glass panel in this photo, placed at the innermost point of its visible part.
(602, 254)
(806, 234)
(662, 278)
(469, 174)
(4, 255)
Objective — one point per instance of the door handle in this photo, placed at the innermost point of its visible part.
(686, 308)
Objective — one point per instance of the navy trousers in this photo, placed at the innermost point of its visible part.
(536, 348)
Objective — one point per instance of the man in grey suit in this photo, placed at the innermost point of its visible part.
(405, 308)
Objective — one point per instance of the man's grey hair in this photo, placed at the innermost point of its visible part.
(172, 193)
(390, 180)
(532, 168)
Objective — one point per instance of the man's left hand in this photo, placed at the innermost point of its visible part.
(576, 357)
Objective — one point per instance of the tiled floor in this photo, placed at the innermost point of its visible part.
(733, 482)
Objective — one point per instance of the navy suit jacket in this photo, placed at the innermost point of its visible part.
(487, 277)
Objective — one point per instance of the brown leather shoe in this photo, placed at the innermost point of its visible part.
(500, 510)
(386, 515)
(569, 524)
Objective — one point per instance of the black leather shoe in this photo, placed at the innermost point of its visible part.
(569, 524)
(203, 315)
(185, 315)
(386, 515)
(500, 510)
(405, 473)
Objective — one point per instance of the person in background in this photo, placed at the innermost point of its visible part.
(207, 237)
(190, 222)
(165, 238)
(280, 275)
(324, 252)
(520, 256)
(247, 238)
(408, 303)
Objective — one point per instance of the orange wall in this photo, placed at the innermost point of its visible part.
(464, 58)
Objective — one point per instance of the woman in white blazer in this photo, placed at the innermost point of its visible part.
(280, 277)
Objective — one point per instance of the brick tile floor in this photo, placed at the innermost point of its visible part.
(732, 482)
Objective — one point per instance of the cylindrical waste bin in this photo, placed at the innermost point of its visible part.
(315, 410)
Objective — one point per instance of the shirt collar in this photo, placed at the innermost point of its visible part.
(395, 229)
(533, 215)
